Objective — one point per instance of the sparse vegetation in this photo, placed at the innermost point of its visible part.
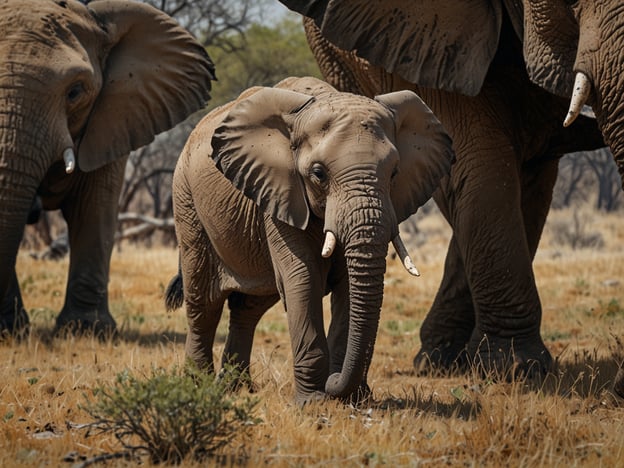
(171, 415)
(569, 419)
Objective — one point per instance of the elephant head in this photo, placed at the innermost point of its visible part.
(81, 86)
(451, 45)
(353, 165)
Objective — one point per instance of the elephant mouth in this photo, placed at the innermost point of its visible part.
(399, 246)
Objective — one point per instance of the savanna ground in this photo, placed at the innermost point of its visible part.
(571, 419)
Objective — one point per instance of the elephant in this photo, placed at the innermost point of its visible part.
(80, 87)
(500, 76)
(293, 192)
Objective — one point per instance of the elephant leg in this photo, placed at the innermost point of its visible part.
(451, 320)
(485, 202)
(203, 297)
(202, 318)
(245, 313)
(13, 317)
(338, 331)
(91, 214)
(301, 286)
(498, 265)
(538, 182)
(449, 324)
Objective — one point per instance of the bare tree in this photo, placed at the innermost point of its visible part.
(214, 22)
(145, 202)
(589, 177)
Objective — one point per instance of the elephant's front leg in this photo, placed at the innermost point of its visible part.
(91, 214)
(13, 317)
(485, 197)
(451, 320)
(296, 261)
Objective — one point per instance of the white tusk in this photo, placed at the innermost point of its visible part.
(401, 251)
(580, 94)
(70, 160)
(329, 245)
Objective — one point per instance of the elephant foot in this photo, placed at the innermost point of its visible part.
(618, 386)
(441, 352)
(447, 358)
(509, 358)
(361, 396)
(303, 399)
(443, 336)
(14, 326)
(96, 323)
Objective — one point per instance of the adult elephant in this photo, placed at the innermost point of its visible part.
(80, 87)
(499, 75)
(305, 192)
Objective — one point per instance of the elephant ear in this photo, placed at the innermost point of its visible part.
(551, 38)
(446, 44)
(425, 152)
(155, 75)
(252, 148)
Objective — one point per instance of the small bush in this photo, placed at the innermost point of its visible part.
(171, 415)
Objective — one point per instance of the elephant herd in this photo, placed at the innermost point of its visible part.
(293, 192)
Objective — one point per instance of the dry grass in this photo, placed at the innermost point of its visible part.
(570, 419)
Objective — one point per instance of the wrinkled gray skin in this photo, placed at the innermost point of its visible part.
(100, 80)
(289, 164)
(468, 60)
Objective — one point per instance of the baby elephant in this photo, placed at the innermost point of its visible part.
(294, 192)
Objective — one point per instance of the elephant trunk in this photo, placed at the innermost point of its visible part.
(606, 81)
(17, 196)
(609, 111)
(365, 253)
(21, 172)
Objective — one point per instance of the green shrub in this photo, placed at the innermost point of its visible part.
(171, 415)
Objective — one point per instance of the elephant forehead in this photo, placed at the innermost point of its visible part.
(29, 16)
(40, 22)
(339, 117)
(348, 139)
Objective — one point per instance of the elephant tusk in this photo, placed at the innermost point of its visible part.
(70, 160)
(401, 251)
(580, 94)
(329, 245)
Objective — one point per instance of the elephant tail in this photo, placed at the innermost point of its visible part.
(174, 295)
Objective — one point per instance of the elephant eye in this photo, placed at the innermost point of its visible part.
(319, 173)
(74, 92)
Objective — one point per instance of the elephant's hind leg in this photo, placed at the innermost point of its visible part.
(450, 322)
(245, 312)
(203, 297)
(203, 318)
